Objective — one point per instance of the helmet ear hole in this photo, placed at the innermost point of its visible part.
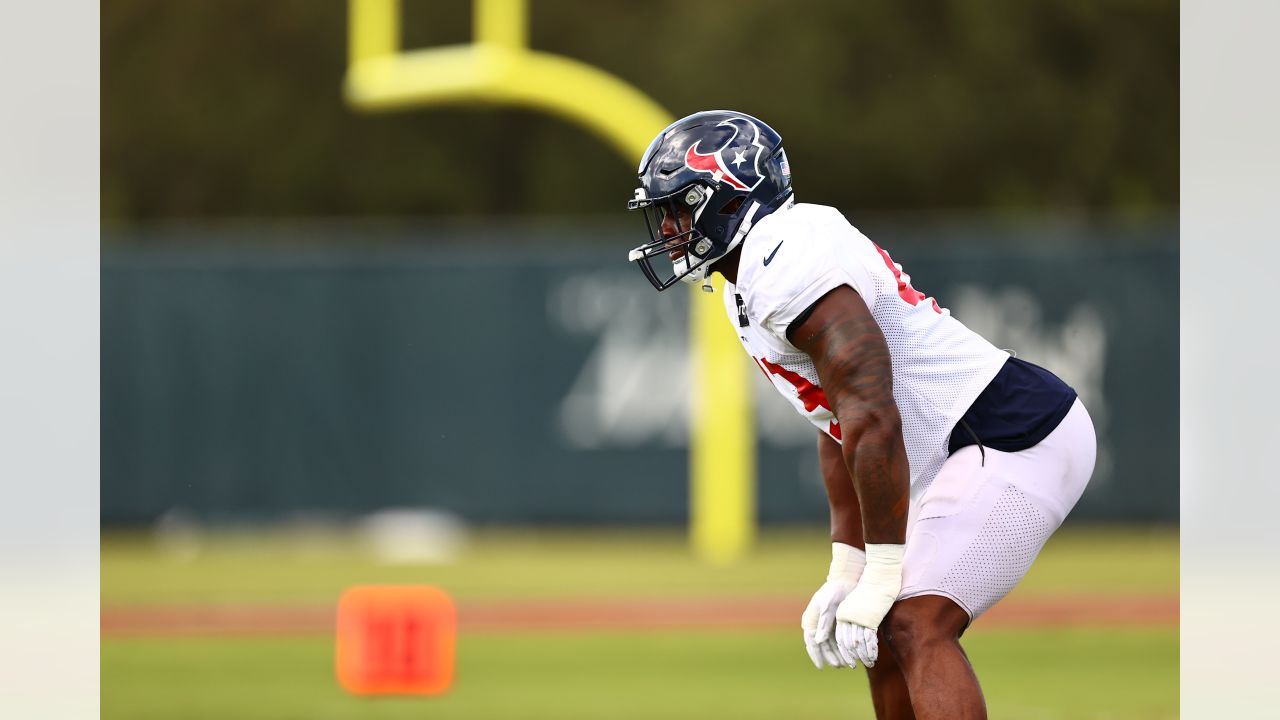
(732, 206)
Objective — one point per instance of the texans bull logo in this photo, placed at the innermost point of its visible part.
(742, 169)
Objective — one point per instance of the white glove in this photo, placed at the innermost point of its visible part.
(859, 642)
(819, 619)
(859, 614)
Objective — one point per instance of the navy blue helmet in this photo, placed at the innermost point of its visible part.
(708, 177)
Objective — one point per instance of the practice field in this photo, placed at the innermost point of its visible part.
(611, 625)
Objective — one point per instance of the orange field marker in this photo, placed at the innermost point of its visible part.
(396, 640)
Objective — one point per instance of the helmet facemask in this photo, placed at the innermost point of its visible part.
(672, 221)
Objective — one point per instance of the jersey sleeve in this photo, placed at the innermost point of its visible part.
(810, 255)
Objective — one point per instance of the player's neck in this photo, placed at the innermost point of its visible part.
(728, 265)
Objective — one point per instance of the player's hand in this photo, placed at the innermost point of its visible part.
(859, 614)
(818, 621)
(859, 642)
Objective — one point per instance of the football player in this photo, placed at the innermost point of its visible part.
(947, 462)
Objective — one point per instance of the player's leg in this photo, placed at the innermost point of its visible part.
(972, 538)
(889, 693)
(922, 634)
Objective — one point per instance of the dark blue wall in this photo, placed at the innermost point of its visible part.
(524, 374)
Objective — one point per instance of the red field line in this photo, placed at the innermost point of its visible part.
(616, 615)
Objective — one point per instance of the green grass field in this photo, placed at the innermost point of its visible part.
(1103, 672)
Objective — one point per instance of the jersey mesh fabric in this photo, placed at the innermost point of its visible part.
(939, 365)
(1000, 554)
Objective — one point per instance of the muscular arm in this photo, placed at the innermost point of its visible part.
(846, 518)
(852, 359)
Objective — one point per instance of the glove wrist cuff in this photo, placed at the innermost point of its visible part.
(877, 589)
(884, 566)
(847, 563)
(885, 554)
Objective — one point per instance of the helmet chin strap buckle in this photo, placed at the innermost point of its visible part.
(706, 284)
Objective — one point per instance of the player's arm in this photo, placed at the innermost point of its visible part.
(852, 359)
(847, 560)
(846, 518)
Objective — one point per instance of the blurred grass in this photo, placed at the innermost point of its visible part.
(315, 567)
(1076, 673)
(1073, 674)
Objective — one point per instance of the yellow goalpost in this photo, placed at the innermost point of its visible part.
(498, 68)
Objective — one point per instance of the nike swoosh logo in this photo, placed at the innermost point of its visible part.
(769, 259)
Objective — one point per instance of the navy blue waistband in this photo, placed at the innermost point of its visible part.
(1021, 405)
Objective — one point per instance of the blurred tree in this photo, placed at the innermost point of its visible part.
(234, 108)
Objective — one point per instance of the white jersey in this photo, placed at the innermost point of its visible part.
(796, 255)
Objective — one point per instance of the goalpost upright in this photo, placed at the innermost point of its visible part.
(498, 68)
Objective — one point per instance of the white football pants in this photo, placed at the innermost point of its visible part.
(973, 534)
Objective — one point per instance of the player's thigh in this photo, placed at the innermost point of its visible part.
(984, 519)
